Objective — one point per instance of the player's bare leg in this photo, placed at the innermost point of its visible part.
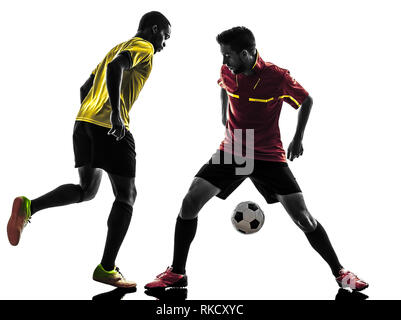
(315, 233)
(200, 192)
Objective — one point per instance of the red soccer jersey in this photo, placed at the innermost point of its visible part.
(255, 102)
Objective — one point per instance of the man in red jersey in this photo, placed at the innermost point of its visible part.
(253, 91)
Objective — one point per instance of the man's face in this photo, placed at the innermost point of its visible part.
(160, 37)
(232, 59)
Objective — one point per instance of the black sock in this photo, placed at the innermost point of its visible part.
(185, 231)
(117, 223)
(61, 196)
(321, 243)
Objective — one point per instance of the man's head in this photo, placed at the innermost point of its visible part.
(237, 45)
(155, 28)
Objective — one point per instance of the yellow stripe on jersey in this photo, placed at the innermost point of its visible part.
(256, 84)
(96, 106)
(287, 96)
(260, 100)
(233, 95)
(265, 100)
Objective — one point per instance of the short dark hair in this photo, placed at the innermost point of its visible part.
(152, 18)
(238, 38)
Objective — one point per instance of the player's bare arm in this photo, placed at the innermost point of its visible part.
(224, 104)
(86, 87)
(114, 77)
(295, 149)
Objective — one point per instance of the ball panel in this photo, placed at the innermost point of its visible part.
(238, 217)
(253, 206)
(243, 206)
(249, 215)
(244, 225)
(254, 224)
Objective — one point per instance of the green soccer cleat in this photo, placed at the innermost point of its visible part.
(20, 216)
(113, 277)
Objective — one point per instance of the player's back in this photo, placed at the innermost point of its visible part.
(96, 106)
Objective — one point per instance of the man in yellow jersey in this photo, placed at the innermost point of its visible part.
(102, 140)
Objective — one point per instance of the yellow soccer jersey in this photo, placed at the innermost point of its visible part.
(96, 107)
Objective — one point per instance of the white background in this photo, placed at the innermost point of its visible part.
(345, 53)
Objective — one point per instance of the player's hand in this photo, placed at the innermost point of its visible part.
(295, 149)
(117, 126)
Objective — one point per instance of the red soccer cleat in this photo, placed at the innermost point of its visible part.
(168, 279)
(347, 279)
(20, 216)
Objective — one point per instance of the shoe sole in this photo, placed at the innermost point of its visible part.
(16, 222)
(367, 286)
(117, 285)
(169, 294)
(339, 284)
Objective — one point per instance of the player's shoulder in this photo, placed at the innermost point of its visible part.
(227, 78)
(225, 74)
(225, 71)
(138, 44)
(272, 70)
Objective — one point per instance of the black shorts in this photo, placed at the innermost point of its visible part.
(94, 147)
(269, 178)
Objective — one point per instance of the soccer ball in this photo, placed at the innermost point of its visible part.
(248, 217)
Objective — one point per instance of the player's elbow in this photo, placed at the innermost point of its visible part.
(83, 89)
(111, 67)
(83, 92)
(308, 101)
(114, 68)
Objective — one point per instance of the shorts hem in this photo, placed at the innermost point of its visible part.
(225, 191)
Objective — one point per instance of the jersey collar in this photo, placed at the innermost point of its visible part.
(153, 48)
(259, 63)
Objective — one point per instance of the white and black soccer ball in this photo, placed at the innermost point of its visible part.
(248, 217)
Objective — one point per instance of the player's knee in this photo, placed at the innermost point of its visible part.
(190, 206)
(89, 182)
(89, 191)
(128, 197)
(132, 196)
(88, 194)
(306, 222)
(85, 194)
